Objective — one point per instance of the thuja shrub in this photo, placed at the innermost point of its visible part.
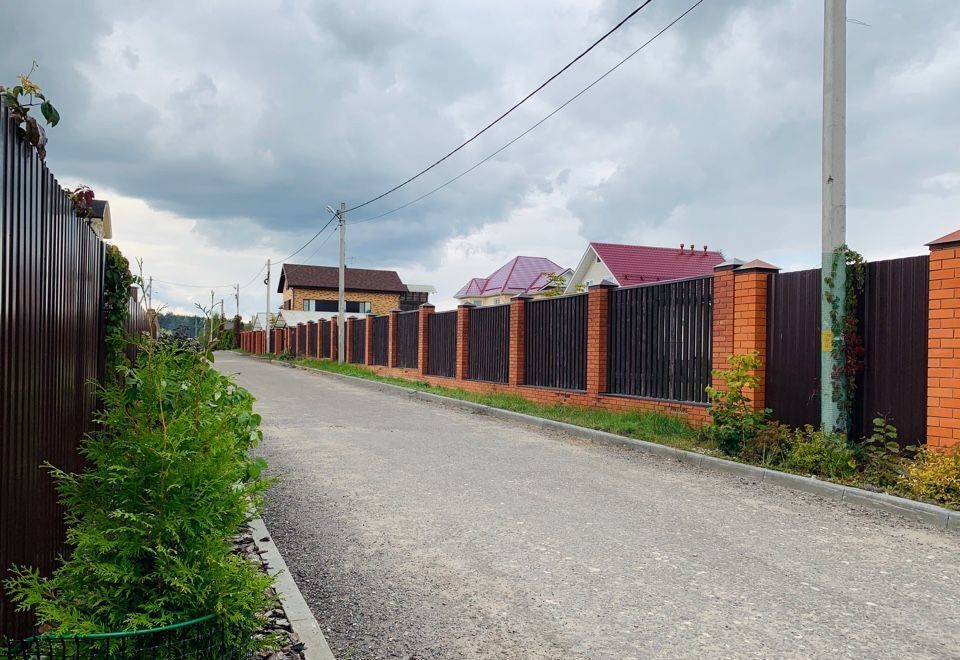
(168, 483)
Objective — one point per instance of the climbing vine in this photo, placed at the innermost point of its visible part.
(116, 284)
(82, 198)
(19, 99)
(848, 352)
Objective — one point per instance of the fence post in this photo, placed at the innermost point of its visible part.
(722, 323)
(423, 336)
(517, 344)
(348, 339)
(750, 286)
(368, 339)
(598, 336)
(943, 343)
(334, 330)
(392, 339)
(463, 340)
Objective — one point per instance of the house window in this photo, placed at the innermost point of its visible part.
(350, 306)
(478, 302)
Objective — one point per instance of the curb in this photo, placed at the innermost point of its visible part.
(294, 606)
(930, 514)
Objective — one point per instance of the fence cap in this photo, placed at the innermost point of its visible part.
(522, 296)
(467, 305)
(729, 264)
(428, 305)
(950, 240)
(395, 310)
(756, 264)
(603, 284)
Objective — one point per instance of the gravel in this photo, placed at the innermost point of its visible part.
(415, 530)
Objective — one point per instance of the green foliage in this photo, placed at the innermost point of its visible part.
(116, 289)
(935, 476)
(770, 446)
(150, 521)
(287, 355)
(883, 464)
(557, 285)
(734, 419)
(848, 348)
(820, 453)
(19, 99)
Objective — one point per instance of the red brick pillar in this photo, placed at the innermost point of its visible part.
(334, 339)
(463, 340)
(943, 344)
(392, 339)
(750, 286)
(423, 337)
(517, 339)
(348, 339)
(368, 340)
(598, 333)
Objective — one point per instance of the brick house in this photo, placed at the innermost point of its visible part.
(315, 289)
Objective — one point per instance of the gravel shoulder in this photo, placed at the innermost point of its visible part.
(420, 530)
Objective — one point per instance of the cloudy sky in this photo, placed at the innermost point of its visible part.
(220, 130)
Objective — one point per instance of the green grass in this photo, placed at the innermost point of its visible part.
(652, 426)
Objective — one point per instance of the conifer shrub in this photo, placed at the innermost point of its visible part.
(168, 483)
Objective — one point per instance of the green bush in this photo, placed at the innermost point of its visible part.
(734, 419)
(883, 464)
(150, 521)
(117, 280)
(820, 453)
(935, 476)
(770, 446)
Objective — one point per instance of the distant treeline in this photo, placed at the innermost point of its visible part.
(182, 324)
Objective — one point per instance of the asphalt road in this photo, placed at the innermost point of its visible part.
(420, 530)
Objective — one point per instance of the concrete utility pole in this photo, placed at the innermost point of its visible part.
(210, 320)
(150, 292)
(236, 295)
(834, 201)
(341, 303)
(266, 322)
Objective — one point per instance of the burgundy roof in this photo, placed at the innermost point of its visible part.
(636, 264)
(519, 275)
(328, 277)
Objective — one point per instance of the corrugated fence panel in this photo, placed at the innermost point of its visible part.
(325, 339)
(793, 347)
(442, 346)
(311, 339)
(660, 340)
(381, 339)
(51, 348)
(301, 340)
(408, 339)
(555, 342)
(488, 356)
(358, 341)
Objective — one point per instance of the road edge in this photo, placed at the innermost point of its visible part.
(930, 514)
(294, 606)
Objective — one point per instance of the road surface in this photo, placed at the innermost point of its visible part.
(417, 530)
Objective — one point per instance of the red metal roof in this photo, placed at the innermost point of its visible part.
(519, 275)
(637, 264)
(952, 237)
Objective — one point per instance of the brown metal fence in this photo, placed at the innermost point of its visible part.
(301, 340)
(555, 342)
(660, 339)
(408, 339)
(381, 339)
(51, 348)
(358, 341)
(893, 325)
(442, 346)
(488, 356)
(325, 339)
(311, 339)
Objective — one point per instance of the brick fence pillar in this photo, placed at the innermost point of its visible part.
(368, 340)
(517, 340)
(392, 339)
(750, 286)
(598, 335)
(722, 324)
(348, 339)
(423, 337)
(943, 343)
(334, 338)
(463, 340)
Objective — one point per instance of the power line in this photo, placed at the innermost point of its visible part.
(512, 108)
(532, 128)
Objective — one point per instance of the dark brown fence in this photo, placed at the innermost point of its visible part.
(325, 339)
(301, 339)
(442, 346)
(51, 348)
(381, 339)
(311, 339)
(660, 339)
(358, 341)
(408, 339)
(488, 350)
(893, 325)
(555, 342)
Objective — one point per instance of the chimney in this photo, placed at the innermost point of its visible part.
(682, 245)
(704, 250)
